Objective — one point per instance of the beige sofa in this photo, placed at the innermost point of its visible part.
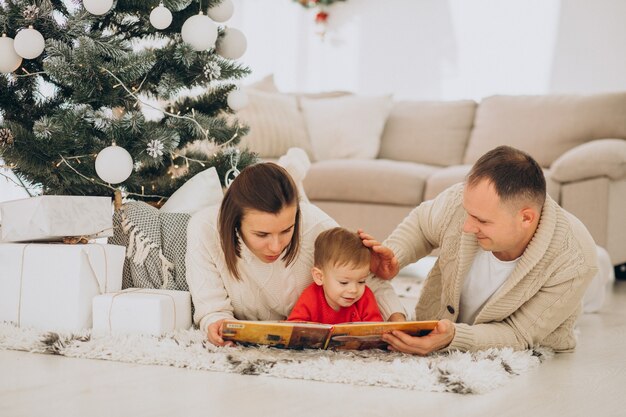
(427, 146)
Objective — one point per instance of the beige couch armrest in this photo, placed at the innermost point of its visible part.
(597, 158)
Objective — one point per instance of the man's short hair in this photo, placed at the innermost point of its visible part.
(515, 175)
(339, 247)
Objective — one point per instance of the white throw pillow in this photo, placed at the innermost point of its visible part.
(297, 164)
(202, 190)
(345, 127)
(264, 84)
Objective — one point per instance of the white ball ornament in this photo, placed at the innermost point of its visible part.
(9, 59)
(233, 44)
(221, 12)
(114, 164)
(200, 32)
(237, 99)
(160, 17)
(98, 7)
(29, 43)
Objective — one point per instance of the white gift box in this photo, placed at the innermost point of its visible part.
(53, 217)
(141, 310)
(51, 286)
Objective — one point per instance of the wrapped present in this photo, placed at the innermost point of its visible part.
(141, 310)
(53, 217)
(51, 286)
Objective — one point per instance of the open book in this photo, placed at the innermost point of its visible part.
(301, 335)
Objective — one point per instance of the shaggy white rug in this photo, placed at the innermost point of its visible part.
(465, 373)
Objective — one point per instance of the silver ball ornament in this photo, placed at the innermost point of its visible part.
(233, 44)
(29, 43)
(200, 32)
(222, 12)
(114, 164)
(98, 7)
(237, 99)
(9, 59)
(160, 17)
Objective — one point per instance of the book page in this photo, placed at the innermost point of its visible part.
(360, 336)
(292, 335)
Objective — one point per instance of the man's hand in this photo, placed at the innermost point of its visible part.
(214, 334)
(439, 338)
(383, 262)
(397, 317)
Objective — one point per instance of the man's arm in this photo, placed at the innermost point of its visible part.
(439, 338)
(555, 303)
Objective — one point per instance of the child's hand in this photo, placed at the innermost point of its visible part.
(397, 317)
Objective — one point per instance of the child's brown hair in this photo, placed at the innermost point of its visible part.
(338, 247)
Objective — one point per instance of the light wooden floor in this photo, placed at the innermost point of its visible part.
(588, 382)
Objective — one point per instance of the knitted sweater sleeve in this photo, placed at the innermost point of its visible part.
(547, 316)
(556, 303)
(421, 231)
(210, 299)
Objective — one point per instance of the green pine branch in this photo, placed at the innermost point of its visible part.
(59, 107)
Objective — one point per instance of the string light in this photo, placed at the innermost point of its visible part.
(93, 180)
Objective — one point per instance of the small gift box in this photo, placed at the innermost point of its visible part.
(53, 217)
(51, 286)
(141, 310)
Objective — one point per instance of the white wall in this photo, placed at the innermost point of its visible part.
(438, 49)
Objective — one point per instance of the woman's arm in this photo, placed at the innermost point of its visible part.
(210, 298)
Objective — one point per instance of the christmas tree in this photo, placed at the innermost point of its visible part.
(105, 68)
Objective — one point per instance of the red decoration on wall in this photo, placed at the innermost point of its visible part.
(321, 17)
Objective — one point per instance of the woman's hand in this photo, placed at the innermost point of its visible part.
(383, 262)
(214, 334)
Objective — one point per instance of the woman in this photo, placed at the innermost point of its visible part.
(251, 257)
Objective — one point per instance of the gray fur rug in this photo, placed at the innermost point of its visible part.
(464, 373)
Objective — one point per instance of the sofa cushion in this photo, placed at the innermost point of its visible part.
(604, 157)
(276, 124)
(371, 181)
(444, 178)
(320, 95)
(345, 127)
(545, 126)
(434, 133)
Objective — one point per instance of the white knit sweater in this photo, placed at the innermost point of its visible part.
(539, 302)
(265, 291)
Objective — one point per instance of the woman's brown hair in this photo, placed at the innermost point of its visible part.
(264, 187)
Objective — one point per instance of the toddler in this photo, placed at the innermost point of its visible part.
(338, 293)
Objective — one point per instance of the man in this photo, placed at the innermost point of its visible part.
(513, 265)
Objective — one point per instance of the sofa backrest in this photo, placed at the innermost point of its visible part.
(545, 126)
(428, 132)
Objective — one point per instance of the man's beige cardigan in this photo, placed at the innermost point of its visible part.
(537, 305)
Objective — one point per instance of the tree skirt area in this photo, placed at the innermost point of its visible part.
(464, 373)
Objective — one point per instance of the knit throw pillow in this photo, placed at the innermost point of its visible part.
(155, 242)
